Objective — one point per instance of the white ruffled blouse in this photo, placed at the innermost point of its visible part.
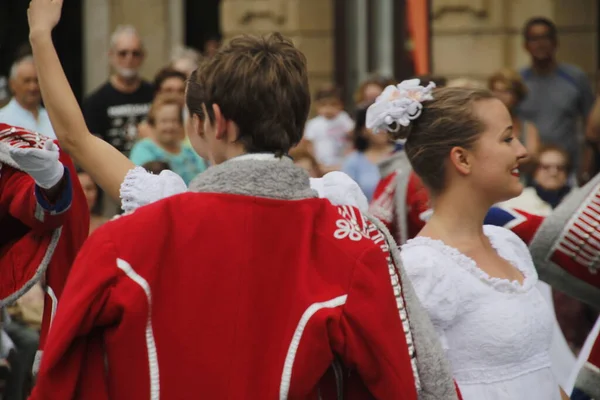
(496, 332)
(140, 187)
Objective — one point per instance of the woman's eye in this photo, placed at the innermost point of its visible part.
(508, 139)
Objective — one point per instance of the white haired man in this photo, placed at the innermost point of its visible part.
(25, 108)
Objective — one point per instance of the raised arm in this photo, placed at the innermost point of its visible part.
(105, 164)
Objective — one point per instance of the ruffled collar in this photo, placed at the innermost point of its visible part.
(468, 264)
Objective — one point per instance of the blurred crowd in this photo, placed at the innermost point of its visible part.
(555, 111)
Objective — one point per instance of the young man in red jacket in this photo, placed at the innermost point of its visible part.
(248, 286)
(44, 222)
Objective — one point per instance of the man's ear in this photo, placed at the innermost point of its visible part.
(220, 122)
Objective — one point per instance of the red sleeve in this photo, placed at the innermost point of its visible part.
(23, 200)
(382, 206)
(417, 203)
(374, 342)
(73, 361)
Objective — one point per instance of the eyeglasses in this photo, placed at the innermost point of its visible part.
(557, 167)
(134, 53)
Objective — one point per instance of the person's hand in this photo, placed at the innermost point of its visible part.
(43, 15)
(42, 164)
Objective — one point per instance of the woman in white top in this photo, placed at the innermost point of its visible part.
(477, 282)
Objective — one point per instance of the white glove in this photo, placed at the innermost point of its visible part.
(41, 164)
(340, 190)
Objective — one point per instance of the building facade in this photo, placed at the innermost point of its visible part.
(345, 41)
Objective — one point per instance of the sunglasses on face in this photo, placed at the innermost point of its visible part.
(125, 53)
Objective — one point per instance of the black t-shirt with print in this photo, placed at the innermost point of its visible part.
(113, 116)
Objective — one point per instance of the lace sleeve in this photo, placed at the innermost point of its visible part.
(434, 283)
(141, 187)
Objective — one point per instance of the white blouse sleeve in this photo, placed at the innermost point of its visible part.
(340, 190)
(436, 285)
(141, 187)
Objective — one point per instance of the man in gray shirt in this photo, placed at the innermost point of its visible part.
(560, 95)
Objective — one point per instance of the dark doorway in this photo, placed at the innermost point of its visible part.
(403, 63)
(14, 38)
(202, 22)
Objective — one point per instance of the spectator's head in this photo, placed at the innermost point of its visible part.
(166, 118)
(462, 141)
(126, 52)
(185, 60)
(90, 189)
(541, 39)
(170, 82)
(156, 167)
(508, 86)
(23, 83)
(328, 101)
(364, 137)
(369, 89)
(552, 169)
(256, 97)
(304, 159)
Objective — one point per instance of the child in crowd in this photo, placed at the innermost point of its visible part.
(329, 132)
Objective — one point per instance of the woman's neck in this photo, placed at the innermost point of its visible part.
(457, 217)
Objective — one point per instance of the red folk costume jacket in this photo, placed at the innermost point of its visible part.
(38, 240)
(249, 288)
(565, 246)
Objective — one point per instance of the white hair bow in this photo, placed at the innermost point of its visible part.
(400, 104)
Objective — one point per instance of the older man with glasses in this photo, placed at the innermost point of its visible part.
(114, 110)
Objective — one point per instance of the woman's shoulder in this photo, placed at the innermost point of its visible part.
(440, 285)
(430, 260)
(510, 247)
(500, 234)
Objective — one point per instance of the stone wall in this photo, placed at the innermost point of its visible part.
(474, 38)
(471, 38)
(309, 23)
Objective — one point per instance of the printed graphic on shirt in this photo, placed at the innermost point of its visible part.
(124, 120)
